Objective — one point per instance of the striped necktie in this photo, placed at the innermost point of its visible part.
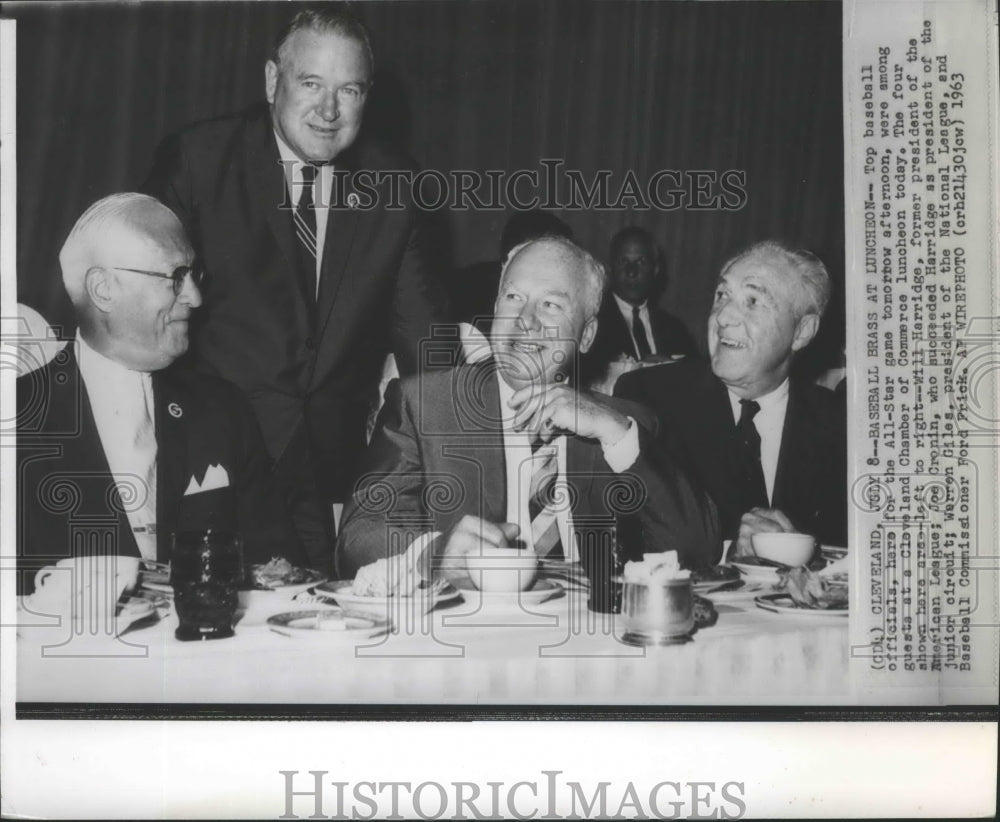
(304, 217)
(541, 503)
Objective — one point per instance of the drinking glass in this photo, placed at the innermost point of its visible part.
(206, 570)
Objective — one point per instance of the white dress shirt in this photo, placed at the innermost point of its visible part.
(769, 421)
(322, 195)
(626, 309)
(124, 412)
(518, 460)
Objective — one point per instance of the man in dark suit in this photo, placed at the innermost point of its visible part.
(116, 449)
(312, 272)
(629, 324)
(509, 449)
(772, 452)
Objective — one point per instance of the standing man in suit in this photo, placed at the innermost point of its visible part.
(771, 451)
(116, 449)
(311, 277)
(629, 325)
(510, 448)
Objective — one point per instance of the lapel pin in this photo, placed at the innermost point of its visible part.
(175, 411)
(353, 200)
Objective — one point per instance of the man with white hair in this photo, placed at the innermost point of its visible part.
(770, 450)
(116, 450)
(509, 452)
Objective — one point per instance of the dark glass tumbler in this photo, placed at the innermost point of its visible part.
(206, 571)
(603, 565)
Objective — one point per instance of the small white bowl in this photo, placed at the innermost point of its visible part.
(503, 569)
(792, 550)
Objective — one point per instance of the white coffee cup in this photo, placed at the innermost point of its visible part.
(502, 570)
(81, 586)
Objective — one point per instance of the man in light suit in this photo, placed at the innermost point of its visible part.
(116, 448)
(509, 451)
(629, 323)
(312, 274)
(770, 450)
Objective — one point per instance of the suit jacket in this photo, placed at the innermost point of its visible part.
(614, 337)
(68, 502)
(696, 424)
(437, 455)
(224, 180)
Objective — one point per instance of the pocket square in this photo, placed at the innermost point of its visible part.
(215, 477)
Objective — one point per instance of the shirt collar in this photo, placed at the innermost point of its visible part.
(626, 307)
(93, 364)
(287, 156)
(768, 402)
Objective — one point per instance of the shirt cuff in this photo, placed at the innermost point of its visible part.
(623, 454)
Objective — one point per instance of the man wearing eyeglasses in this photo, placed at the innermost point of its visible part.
(116, 448)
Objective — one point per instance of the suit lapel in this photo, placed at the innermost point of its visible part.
(269, 192)
(171, 453)
(797, 454)
(480, 417)
(85, 453)
(341, 226)
(618, 329)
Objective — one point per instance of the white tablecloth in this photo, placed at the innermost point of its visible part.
(560, 653)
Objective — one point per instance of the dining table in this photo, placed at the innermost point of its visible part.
(466, 649)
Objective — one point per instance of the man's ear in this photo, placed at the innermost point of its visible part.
(805, 331)
(270, 80)
(587, 337)
(99, 284)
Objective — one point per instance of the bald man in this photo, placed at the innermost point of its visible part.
(116, 449)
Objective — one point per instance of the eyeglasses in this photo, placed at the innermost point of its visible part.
(177, 276)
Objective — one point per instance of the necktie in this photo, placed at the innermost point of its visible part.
(639, 333)
(751, 474)
(541, 511)
(143, 517)
(304, 217)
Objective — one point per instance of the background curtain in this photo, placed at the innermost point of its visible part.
(640, 86)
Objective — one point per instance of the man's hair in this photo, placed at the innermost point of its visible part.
(813, 279)
(631, 232)
(77, 255)
(590, 268)
(338, 18)
(530, 225)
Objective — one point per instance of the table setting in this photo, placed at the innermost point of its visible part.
(527, 630)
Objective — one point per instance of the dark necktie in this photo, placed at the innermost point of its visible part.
(305, 230)
(541, 511)
(639, 333)
(751, 476)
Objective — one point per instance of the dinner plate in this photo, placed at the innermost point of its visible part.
(341, 592)
(330, 624)
(749, 589)
(757, 573)
(722, 578)
(542, 590)
(784, 604)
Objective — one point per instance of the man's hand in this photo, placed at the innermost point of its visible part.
(560, 409)
(760, 521)
(447, 554)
